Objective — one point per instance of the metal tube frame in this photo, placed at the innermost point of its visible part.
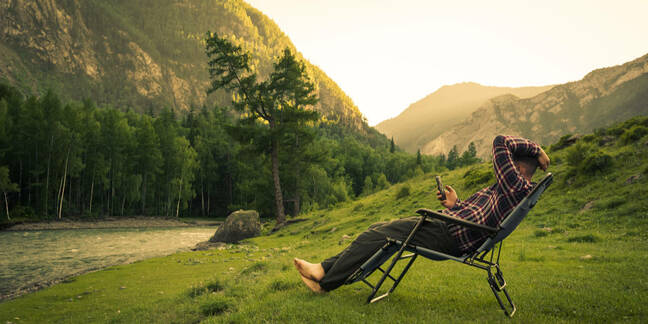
(481, 260)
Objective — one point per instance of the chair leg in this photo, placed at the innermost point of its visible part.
(497, 285)
(397, 258)
(386, 274)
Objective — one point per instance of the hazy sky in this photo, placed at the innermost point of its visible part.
(387, 54)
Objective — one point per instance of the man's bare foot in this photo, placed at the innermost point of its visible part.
(313, 285)
(309, 270)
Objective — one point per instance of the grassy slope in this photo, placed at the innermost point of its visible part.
(548, 275)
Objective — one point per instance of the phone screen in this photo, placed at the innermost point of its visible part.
(440, 188)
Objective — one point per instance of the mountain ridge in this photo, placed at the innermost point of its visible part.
(425, 119)
(146, 54)
(602, 97)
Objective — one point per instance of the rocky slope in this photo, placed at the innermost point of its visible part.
(602, 97)
(427, 118)
(142, 54)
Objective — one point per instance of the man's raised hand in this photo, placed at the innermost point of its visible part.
(451, 197)
(543, 160)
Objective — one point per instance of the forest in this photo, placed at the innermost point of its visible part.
(75, 159)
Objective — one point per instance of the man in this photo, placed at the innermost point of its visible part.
(515, 160)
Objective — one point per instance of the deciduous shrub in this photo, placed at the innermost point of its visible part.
(634, 134)
(478, 176)
(597, 162)
(561, 144)
(403, 192)
(577, 154)
(214, 306)
(586, 158)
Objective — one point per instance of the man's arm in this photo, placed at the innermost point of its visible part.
(504, 147)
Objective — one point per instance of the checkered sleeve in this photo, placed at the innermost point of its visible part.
(504, 147)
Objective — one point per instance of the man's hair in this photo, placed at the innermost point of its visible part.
(529, 161)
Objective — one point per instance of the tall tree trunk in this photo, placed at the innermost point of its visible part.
(49, 159)
(179, 196)
(122, 206)
(67, 159)
(228, 182)
(202, 196)
(91, 192)
(6, 205)
(208, 203)
(144, 195)
(20, 180)
(281, 216)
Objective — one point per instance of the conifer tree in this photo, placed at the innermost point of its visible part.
(453, 158)
(280, 102)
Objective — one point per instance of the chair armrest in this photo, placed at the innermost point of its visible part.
(446, 218)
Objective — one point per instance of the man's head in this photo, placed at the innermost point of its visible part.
(527, 165)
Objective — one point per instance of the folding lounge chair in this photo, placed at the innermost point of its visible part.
(483, 257)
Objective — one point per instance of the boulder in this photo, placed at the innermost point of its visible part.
(239, 225)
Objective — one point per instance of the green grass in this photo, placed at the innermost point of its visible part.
(563, 264)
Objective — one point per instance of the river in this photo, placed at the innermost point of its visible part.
(30, 260)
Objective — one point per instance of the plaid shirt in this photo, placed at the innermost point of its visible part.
(491, 205)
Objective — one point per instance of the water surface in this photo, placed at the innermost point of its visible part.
(33, 259)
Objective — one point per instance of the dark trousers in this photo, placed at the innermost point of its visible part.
(432, 234)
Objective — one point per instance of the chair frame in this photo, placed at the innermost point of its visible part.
(484, 257)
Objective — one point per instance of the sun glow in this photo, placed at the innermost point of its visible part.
(388, 54)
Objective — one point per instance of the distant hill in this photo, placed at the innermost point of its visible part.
(602, 97)
(145, 54)
(427, 118)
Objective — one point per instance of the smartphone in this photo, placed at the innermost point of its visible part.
(440, 188)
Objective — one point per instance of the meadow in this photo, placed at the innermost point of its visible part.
(580, 256)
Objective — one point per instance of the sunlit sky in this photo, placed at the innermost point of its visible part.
(387, 54)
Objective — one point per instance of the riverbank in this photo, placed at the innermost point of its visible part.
(130, 222)
(35, 259)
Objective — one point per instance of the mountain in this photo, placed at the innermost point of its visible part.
(144, 54)
(602, 97)
(427, 118)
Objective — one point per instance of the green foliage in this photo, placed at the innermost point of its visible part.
(587, 159)
(368, 187)
(597, 162)
(282, 285)
(563, 142)
(205, 163)
(403, 192)
(477, 176)
(634, 134)
(215, 305)
(589, 238)
(255, 267)
(280, 102)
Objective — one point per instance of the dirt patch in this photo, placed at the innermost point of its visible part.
(133, 222)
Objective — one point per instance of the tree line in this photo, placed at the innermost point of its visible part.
(76, 159)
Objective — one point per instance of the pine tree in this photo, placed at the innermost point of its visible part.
(279, 101)
(392, 146)
(453, 158)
